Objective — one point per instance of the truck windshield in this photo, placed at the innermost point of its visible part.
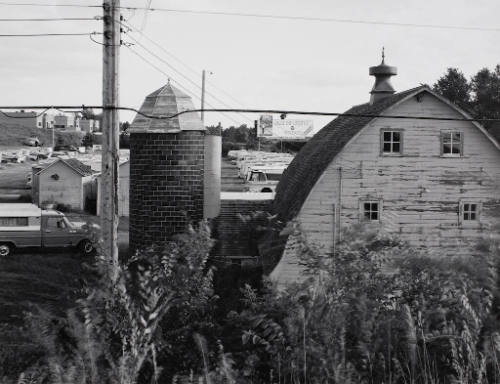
(69, 224)
(258, 176)
(273, 176)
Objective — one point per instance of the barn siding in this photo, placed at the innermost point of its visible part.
(420, 190)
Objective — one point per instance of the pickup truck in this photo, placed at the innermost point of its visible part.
(264, 179)
(26, 225)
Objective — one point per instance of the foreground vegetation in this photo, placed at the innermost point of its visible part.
(377, 312)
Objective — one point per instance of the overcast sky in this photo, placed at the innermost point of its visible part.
(260, 63)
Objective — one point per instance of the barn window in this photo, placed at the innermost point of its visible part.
(391, 142)
(451, 144)
(470, 211)
(371, 210)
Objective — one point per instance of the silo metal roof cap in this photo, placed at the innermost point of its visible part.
(166, 101)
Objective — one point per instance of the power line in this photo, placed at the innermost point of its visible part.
(317, 19)
(182, 74)
(50, 5)
(314, 113)
(55, 19)
(250, 110)
(168, 76)
(194, 71)
(50, 34)
(274, 16)
(133, 28)
(145, 19)
(162, 72)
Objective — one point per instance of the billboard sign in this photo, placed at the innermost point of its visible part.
(285, 129)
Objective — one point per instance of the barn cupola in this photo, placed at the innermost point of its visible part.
(382, 87)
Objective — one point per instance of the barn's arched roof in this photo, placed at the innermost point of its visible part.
(313, 159)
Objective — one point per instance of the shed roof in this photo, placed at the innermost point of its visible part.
(166, 101)
(75, 164)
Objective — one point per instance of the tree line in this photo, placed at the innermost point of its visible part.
(479, 95)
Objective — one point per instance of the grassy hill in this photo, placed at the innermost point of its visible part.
(13, 135)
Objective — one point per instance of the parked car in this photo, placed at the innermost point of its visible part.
(32, 141)
(26, 225)
(70, 148)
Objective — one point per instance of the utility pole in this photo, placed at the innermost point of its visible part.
(110, 130)
(203, 77)
(203, 97)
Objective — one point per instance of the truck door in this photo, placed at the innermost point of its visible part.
(55, 232)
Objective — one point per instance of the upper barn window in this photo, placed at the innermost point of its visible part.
(391, 142)
(451, 144)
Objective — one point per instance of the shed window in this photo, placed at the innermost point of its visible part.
(451, 144)
(13, 221)
(371, 210)
(391, 142)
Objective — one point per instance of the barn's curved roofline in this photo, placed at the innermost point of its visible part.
(313, 159)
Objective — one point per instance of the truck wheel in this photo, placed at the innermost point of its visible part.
(6, 249)
(86, 247)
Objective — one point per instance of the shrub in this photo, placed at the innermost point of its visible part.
(120, 330)
(354, 320)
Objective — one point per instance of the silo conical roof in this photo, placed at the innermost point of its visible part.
(167, 101)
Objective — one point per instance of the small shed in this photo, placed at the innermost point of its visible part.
(123, 189)
(64, 181)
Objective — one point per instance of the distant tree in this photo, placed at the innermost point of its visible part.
(124, 126)
(485, 86)
(88, 113)
(480, 96)
(454, 86)
(242, 136)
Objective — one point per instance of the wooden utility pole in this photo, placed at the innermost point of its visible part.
(203, 97)
(110, 130)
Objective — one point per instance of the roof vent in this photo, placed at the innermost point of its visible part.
(382, 87)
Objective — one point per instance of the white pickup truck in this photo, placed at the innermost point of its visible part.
(26, 225)
(264, 179)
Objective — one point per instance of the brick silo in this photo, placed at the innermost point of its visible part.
(166, 168)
